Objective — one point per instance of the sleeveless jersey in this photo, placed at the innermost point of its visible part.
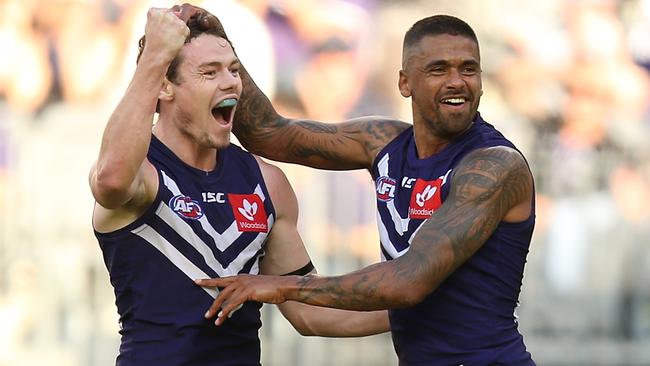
(469, 319)
(200, 225)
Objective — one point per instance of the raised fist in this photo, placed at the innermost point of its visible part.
(165, 33)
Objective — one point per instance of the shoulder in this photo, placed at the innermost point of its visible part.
(507, 154)
(493, 169)
(271, 173)
(282, 194)
(275, 179)
(496, 160)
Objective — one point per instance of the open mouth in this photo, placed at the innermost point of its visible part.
(223, 111)
(457, 101)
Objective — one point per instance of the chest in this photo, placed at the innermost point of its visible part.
(240, 201)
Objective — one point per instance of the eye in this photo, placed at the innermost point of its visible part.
(438, 70)
(210, 73)
(470, 70)
(235, 71)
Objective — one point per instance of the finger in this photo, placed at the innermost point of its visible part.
(226, 314)
(212, 282)
(228, 307)
(189, 11)
(218, 302)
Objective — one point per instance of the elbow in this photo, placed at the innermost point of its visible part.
(302, 326)
(263, 140)
(305, 331)
(411, 299)
(407, 295)
(108, 190)
(307, 320)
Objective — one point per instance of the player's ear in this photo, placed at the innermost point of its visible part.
(166, 92)
(403, 84)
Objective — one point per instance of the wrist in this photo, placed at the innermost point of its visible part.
(153, 60)
(292, 287)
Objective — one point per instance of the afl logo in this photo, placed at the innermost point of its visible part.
(186, 207)
(385, 188)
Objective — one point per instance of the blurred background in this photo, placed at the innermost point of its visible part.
(567, 81)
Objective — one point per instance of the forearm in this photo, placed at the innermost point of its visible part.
(325, 322)
(387, 285)
(127, 134)
(256, 120)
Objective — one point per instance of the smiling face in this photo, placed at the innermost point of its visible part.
(201, 102)
(442, 75)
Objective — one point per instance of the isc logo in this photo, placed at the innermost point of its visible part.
(385, 188)
(186, 207)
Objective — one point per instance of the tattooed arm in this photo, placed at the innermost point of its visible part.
(352, 144)
(489, 186)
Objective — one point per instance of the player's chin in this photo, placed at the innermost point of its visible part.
(219, 137)
(221, 142)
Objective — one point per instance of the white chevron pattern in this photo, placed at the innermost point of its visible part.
(399, 224)
(222, 241)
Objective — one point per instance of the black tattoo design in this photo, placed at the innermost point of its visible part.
(349, 145)
(485, 185)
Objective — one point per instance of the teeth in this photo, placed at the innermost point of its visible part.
(454, 100)
(231, 102)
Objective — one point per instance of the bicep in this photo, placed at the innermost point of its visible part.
(112, 192)
(285, 251)
(109, 216)
(484, 187)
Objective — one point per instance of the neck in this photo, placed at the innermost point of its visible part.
(185, 147)
(428, 143)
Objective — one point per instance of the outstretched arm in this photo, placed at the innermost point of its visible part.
(486, 187)
(285, 253)
(351, 144)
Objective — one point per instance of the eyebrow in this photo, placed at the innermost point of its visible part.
(433, 63)
(219, 63)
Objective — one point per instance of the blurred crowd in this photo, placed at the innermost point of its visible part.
(567, 80)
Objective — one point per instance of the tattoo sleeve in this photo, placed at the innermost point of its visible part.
(338, 146)
(485, 185)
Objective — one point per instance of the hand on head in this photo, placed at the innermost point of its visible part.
(204, 19)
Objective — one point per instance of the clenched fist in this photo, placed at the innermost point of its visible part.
(165, 34)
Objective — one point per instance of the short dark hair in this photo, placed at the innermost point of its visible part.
(197, 27)
(436, 25)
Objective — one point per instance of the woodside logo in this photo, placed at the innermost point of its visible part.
(425, 198)
(249, 212)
